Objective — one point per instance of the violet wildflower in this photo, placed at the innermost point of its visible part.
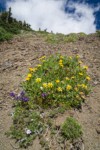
(44, 95)
(22, 93)
(12, 94)
(25, 99)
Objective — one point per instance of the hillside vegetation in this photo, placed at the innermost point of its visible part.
(9, 26)
(49, 88)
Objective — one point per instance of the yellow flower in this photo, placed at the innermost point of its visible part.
(73, 77)
(59, 89)
(77, 56)
(61, 57)
(50, 85)
(67, 78)
(68, 87)
(27, 78)
(39, 65)
(70, 57)
(43, 60)
(81, 93)
(29, 75)
(85, 67)
(45, 85)
(38, 80)
(61, 65)
(31, 69)
(88, 78)
(79, 85)
(84, 86)
(80, 73)
(57, 81)
(42, 57)
(60, 61)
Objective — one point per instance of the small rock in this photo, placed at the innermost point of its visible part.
(95, 82)
(98, 129)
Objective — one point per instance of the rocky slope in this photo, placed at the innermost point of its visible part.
(17, 55)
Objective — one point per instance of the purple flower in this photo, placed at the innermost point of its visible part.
(44, 95)
(22, 93)
(20, 97)
(25, 99)
(12, 94)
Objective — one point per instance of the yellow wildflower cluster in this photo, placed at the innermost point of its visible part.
(85, 67)
(80, 73)
(38, 65)
(50, 85)
(28, 76)
(38, 80)
(61, 57)
(57, 81)
(43, 57)
(61, 63)
(72, 77)
(59, 89)
(68, 87)
(67, 78)
(47, 85)
(88, 78)
(82, 85)
(32, 69)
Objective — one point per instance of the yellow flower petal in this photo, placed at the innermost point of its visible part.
(38, 80)
(68, 87)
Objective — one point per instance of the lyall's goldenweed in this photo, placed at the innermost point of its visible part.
(61, 79)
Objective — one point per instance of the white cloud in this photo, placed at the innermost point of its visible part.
(50, 15)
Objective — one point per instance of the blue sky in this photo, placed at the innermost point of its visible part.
(62, 16)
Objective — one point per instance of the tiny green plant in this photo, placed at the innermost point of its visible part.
(71, 129)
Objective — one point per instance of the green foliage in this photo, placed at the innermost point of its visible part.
(59, 38)
(11, 25)
(4, 35)
(71, 129)
(57, 81)
(27, 124)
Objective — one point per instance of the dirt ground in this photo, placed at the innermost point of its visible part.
(17, 55)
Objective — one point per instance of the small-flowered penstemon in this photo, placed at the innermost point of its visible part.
(44, 95)
(20, 97)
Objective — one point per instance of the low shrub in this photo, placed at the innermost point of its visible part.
(71, 129)
(4, 35)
